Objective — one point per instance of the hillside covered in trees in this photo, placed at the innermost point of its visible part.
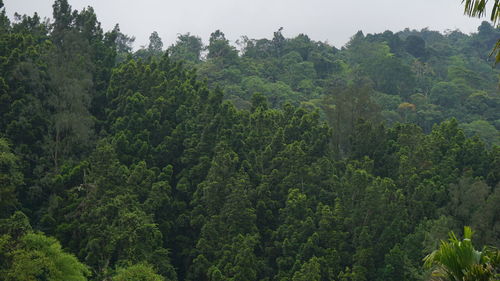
(275, 159)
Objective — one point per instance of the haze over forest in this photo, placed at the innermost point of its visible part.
(332, 21)
(282, 157)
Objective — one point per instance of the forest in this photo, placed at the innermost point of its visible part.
(269, 159)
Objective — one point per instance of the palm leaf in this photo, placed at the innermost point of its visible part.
(477, 8)
(457, 260)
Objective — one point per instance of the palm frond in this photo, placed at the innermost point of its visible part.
(457, 260)
(477, 8)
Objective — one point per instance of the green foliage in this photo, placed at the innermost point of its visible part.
(477, 8)
(308, 272)
(138, 272)
(187, 48)
(220, 50)
(458, 260)
(10, 179)
(484, 130)
(35, 256)
(269, 162)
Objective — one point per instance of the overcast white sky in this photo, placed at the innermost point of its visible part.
(334, 21)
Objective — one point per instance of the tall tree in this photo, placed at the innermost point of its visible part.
(10, 179)
(186, 48)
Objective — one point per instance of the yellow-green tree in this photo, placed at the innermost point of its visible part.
(38, 257)
(142, 272)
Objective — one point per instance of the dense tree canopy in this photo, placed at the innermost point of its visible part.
(282, 159)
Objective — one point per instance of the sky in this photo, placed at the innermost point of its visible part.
(332, 21)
